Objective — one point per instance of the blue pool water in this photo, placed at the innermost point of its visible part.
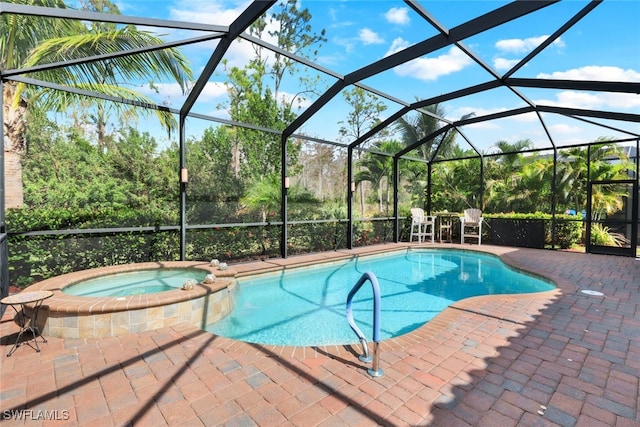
(306, 306)
(135, 282)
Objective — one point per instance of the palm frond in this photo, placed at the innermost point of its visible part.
(154, 65)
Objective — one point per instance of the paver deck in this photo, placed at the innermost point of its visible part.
(559, 358)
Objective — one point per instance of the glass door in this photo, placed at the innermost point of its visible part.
(612, 217)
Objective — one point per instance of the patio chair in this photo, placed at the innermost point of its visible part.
(471, 225)
(422, 225)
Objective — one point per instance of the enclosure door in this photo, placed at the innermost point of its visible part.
(612, 217)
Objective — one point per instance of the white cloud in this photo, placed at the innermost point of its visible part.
(397, 45)
(564, 129)
(595, 72)
(168, 94)
(214, 13)
(504, 63)
(213, 91)
(207, 12)
(524, 45)
(398, 15)
(368, 36)
(593, 100)
(477, 111)
(346, 43)
(573, 99)
(430, 69)
(488, 125)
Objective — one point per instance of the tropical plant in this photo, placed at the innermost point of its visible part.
(605, 162)
(504, 176)
(424, 123)
(378, 170)
(602, 235)
(27, 41)
(456, 184)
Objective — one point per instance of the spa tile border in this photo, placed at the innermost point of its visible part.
(64, 303)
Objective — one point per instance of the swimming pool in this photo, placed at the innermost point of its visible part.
(135, 282)
(306, 306)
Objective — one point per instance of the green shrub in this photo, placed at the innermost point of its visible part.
(35, 257)
(568, 228)
(603, 236)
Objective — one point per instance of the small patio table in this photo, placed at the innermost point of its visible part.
(445, 220)
(25, 321)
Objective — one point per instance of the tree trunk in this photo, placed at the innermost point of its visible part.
(14, 196)
(14, 130)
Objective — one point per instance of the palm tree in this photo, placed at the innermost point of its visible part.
(573, 179)
(376, 169)
(27, 41)
(504, 176)
(413, 129)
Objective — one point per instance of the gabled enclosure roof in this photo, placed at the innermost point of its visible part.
(556, 73)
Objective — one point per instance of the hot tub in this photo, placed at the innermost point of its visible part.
(74, 316)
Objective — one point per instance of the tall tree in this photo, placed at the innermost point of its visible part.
(251, 101)
(365, 113)
(27, 41)
(256, 96)
(412, 129)
(290, 26)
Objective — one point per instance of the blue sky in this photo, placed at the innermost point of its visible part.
(605, 45)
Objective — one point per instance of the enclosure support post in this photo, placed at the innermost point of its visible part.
(283, 203)
(554, 194)
(429, 170)
(183, 192)
(350, 192)
(396, 220)
(4, 249)
(481, 182)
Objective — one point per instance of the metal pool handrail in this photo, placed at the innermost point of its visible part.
(374, 371)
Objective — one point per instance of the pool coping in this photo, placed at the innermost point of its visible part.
(74, 304)
(430, 329)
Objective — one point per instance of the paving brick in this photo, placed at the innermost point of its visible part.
(467, 414)
(309, 416)
(494, 418)
(568, 404)
(177, 412)
(601, 415)
(478, 400)
(559, 416)
(266, 416)
(407, 416)
(614, 407)
(491, 361)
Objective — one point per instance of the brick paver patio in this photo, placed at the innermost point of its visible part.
(560, 358)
